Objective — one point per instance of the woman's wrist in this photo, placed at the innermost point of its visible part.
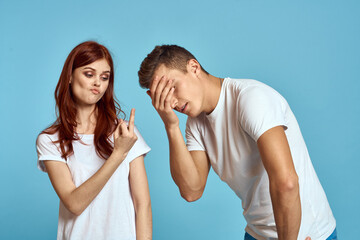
(118, 155)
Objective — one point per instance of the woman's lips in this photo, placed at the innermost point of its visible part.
(95, 91)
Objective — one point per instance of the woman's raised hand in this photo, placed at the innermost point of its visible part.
(124, 136)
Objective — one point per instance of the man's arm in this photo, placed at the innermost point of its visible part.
(284, 187)
(188, 169)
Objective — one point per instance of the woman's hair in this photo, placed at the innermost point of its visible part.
(107, 107)
(172, 56)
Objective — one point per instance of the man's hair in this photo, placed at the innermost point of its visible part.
(172, 56)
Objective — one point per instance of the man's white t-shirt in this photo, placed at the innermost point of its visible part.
(245, 110)
(111, 215)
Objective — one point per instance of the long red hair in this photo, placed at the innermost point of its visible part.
(107, 107)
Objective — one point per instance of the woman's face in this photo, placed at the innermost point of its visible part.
(89, 82)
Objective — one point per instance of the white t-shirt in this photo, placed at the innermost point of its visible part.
(111, 214)
(245, 110)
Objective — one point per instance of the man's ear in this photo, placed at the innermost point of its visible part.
(193, 66)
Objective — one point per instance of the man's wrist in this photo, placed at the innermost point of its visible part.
(171, 128)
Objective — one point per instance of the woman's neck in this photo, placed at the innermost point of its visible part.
(86, 119)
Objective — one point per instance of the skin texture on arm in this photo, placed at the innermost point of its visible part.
(284, 187)
(77, 199)
(141, 198)
(189, 170)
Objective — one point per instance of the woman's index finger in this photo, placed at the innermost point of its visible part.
(132, 120)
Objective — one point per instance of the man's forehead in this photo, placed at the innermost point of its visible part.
(163, 70)
(169, 73)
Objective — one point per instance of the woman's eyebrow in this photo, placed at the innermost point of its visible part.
(108, 71)
(90, 68)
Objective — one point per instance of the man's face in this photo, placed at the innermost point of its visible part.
(187, 97)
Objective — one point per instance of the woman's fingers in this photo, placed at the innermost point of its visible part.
(117, 132)
(132, 120)
(123, 128)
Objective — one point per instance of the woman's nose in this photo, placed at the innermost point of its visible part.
(97, 81)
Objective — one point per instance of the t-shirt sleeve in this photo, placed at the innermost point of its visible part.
(193, 135)
(260, 109)
(140, 147)
(47, 150)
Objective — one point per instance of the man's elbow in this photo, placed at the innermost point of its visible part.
(191, 197)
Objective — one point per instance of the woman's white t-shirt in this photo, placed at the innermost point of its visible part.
(111, 214)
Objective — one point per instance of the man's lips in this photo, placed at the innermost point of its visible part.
(183, 108)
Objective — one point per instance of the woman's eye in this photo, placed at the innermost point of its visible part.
(105, 78)
(89, 75)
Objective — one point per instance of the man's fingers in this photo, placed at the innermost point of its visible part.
(153, 88)
(165, 93)
(168, 98)
(154, 84)
(159, 89)
(132, 120)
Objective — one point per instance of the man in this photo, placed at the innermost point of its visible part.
(246, 131)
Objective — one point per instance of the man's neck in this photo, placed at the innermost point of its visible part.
(212, 90)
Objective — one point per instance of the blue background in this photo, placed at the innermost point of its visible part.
(307, 50)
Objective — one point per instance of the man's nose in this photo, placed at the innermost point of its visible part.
(173, 102)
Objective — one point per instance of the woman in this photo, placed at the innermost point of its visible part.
(94, 160)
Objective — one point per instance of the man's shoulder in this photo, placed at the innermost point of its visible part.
(250, 89)
(244, 84)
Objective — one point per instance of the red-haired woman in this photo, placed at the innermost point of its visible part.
(94, 160)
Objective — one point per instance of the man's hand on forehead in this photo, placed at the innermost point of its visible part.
(161, 93)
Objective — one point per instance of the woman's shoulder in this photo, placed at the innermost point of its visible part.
(48, 135)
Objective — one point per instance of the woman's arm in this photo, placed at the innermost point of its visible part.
(77, 199)
(141, 198)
